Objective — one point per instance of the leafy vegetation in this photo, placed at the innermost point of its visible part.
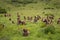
(2, 10)
(39, 30)
(49, 29)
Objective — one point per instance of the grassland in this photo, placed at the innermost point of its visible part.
(14, 31)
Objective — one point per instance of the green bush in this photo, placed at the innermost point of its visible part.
(2, 10)
(49, 29)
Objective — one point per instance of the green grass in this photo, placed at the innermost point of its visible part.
(14, 31)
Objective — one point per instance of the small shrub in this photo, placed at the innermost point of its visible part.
(49, 29)
(2, 10)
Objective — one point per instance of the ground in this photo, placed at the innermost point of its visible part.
(14, 31)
